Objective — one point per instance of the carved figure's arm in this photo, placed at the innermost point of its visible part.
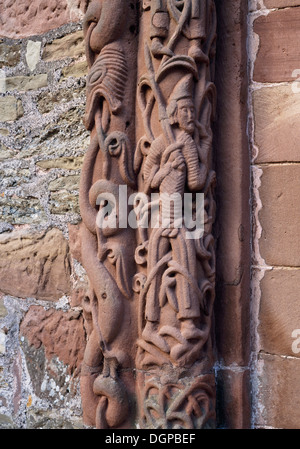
(152, 163)
(196, 170)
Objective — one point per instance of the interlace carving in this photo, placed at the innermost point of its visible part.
(152, 286)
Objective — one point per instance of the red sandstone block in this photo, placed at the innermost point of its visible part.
(279, 51)
(281, 3)
(31, 17)
(278, 392)
(280, 215)
(276, 120)
(279, 312)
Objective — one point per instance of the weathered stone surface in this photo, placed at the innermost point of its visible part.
(9, 54)
(6, 422)
(280, 215)
(17, 376)
(2, 341)
(77, 70)
(3, 311)
(2, 81)
(35, 362)
(14, 173)
(78, 295)
(70, 182)
(79, 276)
(50, 140)
(279, 311)
(281, 3)
(39, 419)
(34, 264)
(75, 240)
(18, 210)
(4, 132)
(47, 101)
(67, 163)
(5, 153)
(278, 396)
(10, 109)
(278, 54)
(30, 17)
(3, 387)
(64, 202)
(62, 198)
(5, 227)
(277, 131)
(71, 45)
(33, 53)
(25, 83)
(60, 334)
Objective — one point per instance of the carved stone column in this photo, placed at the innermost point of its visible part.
(147, 203)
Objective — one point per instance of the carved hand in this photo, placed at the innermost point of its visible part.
(168, 155)
(173, 156)
(160, 175)
(177, 160)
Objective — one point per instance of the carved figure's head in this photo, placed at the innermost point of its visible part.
(181, 109)
(186, 115)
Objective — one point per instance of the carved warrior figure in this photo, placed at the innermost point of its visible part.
(176, 274)
(150, 303)
(194, 29)
(169, 170)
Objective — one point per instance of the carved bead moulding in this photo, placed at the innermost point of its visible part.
(148, 209)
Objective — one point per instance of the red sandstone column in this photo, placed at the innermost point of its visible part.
(150, 104)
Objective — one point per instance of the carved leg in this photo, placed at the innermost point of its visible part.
(196, 52)
(159, 28)
(150, 334)
(197, 31)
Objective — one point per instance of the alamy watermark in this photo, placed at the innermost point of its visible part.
(160, 210)
(296, 84)
(296, 342)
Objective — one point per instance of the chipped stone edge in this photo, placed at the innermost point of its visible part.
(258, 264)
(259, 267)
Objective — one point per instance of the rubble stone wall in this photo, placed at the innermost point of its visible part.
(42, 143)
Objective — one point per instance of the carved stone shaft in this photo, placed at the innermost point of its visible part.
(147, 204)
